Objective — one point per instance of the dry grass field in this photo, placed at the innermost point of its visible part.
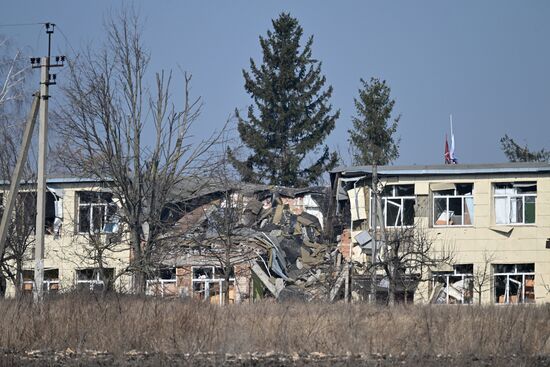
(125, 329)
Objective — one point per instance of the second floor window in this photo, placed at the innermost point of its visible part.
(96, 212)
(453, 204)
(515, 202)
(397, 205)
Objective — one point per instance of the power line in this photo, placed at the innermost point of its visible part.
(20, 24)
(67, 40)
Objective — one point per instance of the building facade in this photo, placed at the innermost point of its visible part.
(86, 247)
(81, 218)
(494, 218)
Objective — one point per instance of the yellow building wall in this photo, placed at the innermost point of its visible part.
(526, 243)
(70, 251)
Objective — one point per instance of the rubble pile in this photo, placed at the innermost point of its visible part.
(279, 233)
(300, 264)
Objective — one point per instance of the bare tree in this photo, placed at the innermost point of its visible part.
(20, 237)
(13, 92)
(121, 131)
(99, 246)
(13, 72)
(482, 275)
(408, 254)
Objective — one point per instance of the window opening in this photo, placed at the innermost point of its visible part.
(50, 283)
(514, 283)
(515, 203)
(397, 205)
(208, 284)
(97, 212)
(453, 287)
(90, 279)
(454, 207)
(162, 283)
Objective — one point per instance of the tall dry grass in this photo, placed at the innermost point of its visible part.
(119, 324)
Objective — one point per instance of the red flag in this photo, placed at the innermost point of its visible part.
(447, 152)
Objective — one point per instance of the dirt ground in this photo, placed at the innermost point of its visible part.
(131, 359)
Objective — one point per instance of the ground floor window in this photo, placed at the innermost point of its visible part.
(162, 283)
(514, 283)
(453, 287)
(49, 285)
(90, 279)
(208, 284)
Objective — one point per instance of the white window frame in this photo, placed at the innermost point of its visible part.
(446, 276)
(159, 283)
(97, 278)
(106, 205)
(207, 281)
(401, 212)
(516, 273)
(46, 283)
(447, 210)
(508, 204)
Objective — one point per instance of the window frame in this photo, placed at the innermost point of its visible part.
(384, 202)
(96, 278)
(208, 281)
(90, 216)
(447, 209)
(508, 202)
(455, 273)
(159, 283)
(50, 285)
(515, 273)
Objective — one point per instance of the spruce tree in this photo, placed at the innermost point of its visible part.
(372, 137)
(290, 116)
(517, 153)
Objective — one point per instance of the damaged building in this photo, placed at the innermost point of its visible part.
(277, 246)
(495, 218)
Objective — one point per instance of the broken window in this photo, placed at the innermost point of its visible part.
(49, 285)
(162, 283)
(515, 202)
(453, 287)
(25, 213)
(397, 205)
(90, 278)
(514, 283)
(208, 284)
(96, 212)
(453, 204)
(54, 211)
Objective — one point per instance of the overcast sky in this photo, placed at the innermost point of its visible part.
(485, 62)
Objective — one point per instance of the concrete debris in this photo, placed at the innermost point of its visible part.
(297, 256)
(292, 259)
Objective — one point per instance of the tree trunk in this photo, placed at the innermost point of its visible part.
(391, 292)
(138, 267)
(226, 287)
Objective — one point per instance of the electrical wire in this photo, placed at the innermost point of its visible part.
(20, 24)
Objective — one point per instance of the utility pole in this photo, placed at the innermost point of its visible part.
(18, 171)
(374, 216)
(46, 79)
